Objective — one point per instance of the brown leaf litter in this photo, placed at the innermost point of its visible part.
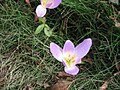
(61, 85)
(104, 86)
(3, 72)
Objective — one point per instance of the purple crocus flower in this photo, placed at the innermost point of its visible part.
(51, 4)
(71, 55)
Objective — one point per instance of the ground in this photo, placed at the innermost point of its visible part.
(25, 58)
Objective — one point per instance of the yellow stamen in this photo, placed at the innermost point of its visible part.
(69, 59)
(45, 2)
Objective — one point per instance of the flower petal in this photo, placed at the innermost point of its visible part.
(72, 70)
(78, 61)
(83, 48)
(40, 11)
(56, 51)
(53, 4)
(68, 47)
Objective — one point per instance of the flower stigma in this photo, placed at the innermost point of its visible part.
(70, 59)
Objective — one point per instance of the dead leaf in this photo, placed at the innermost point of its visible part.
(46, 85)
(62, 85)
(63, 74)
(117, 24)
(104, 86)
(98, 15)
(2, 81)
(82, 67)
(119, 12)
(88, 59)
(117, 73)
(36, 18)
(42, 84)
(3, 71)
(1, 1)
(113, 18)
(29, 87)
(28, 2)
(117, 66)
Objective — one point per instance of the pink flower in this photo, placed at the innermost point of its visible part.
(71, 55)
(51, 4)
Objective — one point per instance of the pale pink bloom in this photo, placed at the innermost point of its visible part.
(71, 55)
(50, 4)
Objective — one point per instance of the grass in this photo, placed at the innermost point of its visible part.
(25, 59)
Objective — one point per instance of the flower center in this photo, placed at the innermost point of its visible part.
(70, 59)
(45, 2)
